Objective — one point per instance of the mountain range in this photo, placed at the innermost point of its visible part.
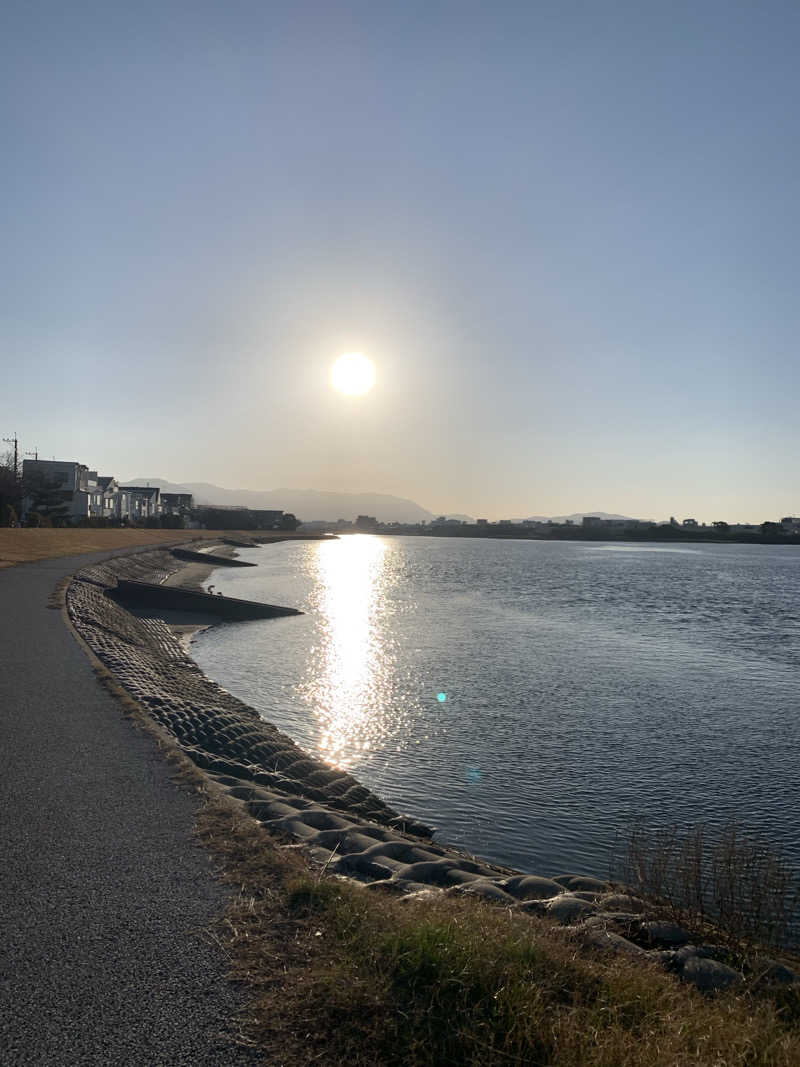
(306, 504)
(323, 505)
(579, 516)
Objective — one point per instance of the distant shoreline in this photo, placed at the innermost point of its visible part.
(518, 533)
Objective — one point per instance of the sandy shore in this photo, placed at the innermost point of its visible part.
(193, 575)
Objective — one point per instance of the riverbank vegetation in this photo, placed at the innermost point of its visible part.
(738, 886)
(338, 973)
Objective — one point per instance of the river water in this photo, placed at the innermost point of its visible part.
(532, 699)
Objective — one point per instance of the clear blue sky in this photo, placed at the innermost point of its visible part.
(566, 233)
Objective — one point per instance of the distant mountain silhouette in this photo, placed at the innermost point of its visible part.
(577, 517)
(311, 504)
(306, 504)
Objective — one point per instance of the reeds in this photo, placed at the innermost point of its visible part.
(344, 974)
(726, 878)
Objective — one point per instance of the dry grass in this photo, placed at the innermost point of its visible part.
(338, 973)
(741, 885)
(343, 974)
(26, 545)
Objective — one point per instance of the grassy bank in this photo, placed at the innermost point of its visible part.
(343, 974)
(338, 973)
(28, 545)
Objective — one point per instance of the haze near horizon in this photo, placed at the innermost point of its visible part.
(565, 236)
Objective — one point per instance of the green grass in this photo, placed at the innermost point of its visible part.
(344, 974)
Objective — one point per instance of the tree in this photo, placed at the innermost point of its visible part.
(9, 491)
(8, 514)
(46, 497)
(723, 527)
(288, 521)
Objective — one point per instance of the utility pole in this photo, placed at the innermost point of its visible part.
(34, 454)
(13, 441)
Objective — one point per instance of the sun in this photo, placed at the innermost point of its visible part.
(353, 374)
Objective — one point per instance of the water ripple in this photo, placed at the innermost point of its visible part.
(585, 685)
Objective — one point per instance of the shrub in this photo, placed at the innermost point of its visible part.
(35, 518)
(8, 516)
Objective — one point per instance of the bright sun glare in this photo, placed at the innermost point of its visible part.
(353, 374)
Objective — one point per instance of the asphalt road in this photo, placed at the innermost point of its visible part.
(104, 897)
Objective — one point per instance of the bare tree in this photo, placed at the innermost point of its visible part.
(9, 490)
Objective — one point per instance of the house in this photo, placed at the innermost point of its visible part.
(109, 488)
(68, 492)
(176, 503)
(102, 492)
(59, 488)
(138, 502)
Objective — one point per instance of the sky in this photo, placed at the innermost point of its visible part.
(565, 233)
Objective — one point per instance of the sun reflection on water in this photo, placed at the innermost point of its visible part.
(350, 681)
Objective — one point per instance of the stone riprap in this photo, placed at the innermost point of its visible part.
(219, 732)
(342, 825)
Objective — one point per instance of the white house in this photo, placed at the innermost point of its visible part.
(138, 502)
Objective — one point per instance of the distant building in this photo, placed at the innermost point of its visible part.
(594, 522)
(177, 506)
(481, 522)
(267, 519)
(139, 502)
(56, 487)
(107, 497)
(690, 524)
(227, 517)
(176, 503)
(366, 523)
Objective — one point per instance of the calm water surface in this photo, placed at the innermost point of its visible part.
(531, 699)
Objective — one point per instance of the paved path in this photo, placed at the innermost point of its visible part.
(104, 897)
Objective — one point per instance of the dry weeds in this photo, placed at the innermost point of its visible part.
(339, 973)
(739, 884)
(26, 545)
